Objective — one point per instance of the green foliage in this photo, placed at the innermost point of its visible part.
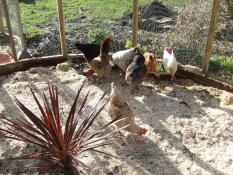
(32, 31)
(225, 64)
(174, 2)
(128, 44)
(42, 12)
(37, 13)
(97, 35)
(159, 68)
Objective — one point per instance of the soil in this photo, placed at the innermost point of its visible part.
(190, 125)
(155, 18)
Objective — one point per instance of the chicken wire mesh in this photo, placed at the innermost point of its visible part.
(182, 25)
(94, 20)
(16, 27)
(4, 38)
(41, 27)
(221, 61)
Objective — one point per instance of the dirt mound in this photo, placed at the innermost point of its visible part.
(154, 10)
(153, 17)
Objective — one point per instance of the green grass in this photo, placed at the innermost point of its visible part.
(42, 12)
(37, 14)
(225, 64)
(174, 2)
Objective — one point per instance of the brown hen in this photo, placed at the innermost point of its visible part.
(120, 109)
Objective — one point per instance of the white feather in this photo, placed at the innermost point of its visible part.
(123, 58)
(169, 62)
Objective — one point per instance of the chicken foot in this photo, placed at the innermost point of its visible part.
(89, 73)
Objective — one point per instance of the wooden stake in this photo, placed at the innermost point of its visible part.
(8, 22)
(20, 24)
(62, 28)
(135, 23)
(1, 21)
(211, 34)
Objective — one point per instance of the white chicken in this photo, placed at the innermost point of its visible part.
(120, 109)
(123, 58)
(169, 62)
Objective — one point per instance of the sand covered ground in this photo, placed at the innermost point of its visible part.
(190, 125)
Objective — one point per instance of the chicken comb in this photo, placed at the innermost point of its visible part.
(109, 37)
(168, 49)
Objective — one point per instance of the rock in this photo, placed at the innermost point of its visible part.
(63, 67)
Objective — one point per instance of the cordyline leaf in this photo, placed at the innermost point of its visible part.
(77, 162)
(35, 155)
(35, 120)
(103, 137)
(61, 146)
(68, 133)
(108, 154)
(21, 127)
(81, 110)
(87, 122)
(116, 120)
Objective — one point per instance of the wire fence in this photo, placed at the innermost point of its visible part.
(221, 62)
(4, 39)
(180, 24)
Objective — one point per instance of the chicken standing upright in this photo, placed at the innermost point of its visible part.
(90, 51)
(169, 62)
(100, 65)
(136, 71)
(123, 58)
(120, 109)
(150, 62)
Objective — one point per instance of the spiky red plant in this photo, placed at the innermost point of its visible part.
(61, 146)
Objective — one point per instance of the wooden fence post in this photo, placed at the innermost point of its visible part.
(135, 23)
(1, 20)
(20, 24)
(8, 23)
(211, 34)
(62, 28)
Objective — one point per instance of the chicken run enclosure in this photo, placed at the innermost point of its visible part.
(189, 120)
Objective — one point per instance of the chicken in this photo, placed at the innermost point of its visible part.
(150, 62)
(90, 51)
(169, 62)
(100, 65)
(118, 108)
(136, 71)
(123, 58)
